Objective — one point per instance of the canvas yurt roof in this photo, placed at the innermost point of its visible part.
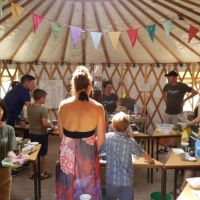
(101, 18)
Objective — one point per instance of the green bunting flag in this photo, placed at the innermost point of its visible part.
(55, 27)
(1, 8)
(151, 30)
(167, 26)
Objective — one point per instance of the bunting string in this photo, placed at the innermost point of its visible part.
(76, 32)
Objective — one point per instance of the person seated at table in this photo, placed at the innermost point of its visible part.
(119, 168)
(38, 124)
(119, 109)
(190, 136)
(110, 100)
(7, 146)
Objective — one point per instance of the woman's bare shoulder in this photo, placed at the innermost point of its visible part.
(96, 104)
(67, 101)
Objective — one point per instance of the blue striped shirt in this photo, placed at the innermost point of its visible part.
(119, 149)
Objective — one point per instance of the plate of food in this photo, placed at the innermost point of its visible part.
(178, 151)
(34, 143)
(194, 182)
(190, 158)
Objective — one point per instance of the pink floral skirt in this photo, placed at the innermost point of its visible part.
(78, 170)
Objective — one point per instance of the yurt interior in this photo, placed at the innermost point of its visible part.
(143, 49)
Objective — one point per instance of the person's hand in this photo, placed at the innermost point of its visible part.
(150, 161)
(184, 125)
(130, 135)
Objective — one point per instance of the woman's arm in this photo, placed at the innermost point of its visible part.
(195, 120)
(45, 123)
(60, 127)
(101, 127)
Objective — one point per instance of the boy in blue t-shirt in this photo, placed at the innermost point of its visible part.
(119, 168)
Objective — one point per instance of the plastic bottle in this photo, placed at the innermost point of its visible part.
(135, 110)
(197, 148)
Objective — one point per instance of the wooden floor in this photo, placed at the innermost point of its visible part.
(23, 187)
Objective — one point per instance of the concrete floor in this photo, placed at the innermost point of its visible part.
(22, 188)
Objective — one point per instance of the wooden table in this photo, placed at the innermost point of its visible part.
(175, 162)
(140, 163)
(186, 194)
(158, 135)
(34, 158)
(23, 129)
(145, 137)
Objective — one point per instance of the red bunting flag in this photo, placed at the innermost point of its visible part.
(37, 20)
(132, 34)
(192, 32)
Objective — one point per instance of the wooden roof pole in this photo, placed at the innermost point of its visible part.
(140, 41)
(191, 3)
(165, 16)
(184, 16)
(30, 32)
(183, 7)
(5, 6)
(115, 29)
(59, 10)
(178, 12)
(21, 20)
(69, 21)
(157, 23)
(10, 14)
(83, 45)
(99, 29)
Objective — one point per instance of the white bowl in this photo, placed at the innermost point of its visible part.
(85, 197)
(19, 139)
(194, 182)
(34, 143)
(178, 151)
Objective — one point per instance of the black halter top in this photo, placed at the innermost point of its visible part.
(78, 134)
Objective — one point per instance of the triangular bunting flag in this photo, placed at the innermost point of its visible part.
(151, 30)
(167, 26)
(16, 11)
(192, 32)
(75, 34)
(55, 27)
(132, 34)
(1, 8)
(37, 20)
(96, 37)
(114, 37)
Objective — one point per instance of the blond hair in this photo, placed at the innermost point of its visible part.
(120, 122)
(81, 79)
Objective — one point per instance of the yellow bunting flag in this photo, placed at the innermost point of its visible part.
(1, 8)
(16, 11)
(114, 37)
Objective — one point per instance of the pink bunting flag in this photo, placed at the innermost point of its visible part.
(132, 34)
(192, 32)
(37, 20)
(75, 34)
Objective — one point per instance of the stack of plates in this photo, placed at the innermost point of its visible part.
(194, 182)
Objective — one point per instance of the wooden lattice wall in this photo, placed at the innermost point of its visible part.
(126, 79)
